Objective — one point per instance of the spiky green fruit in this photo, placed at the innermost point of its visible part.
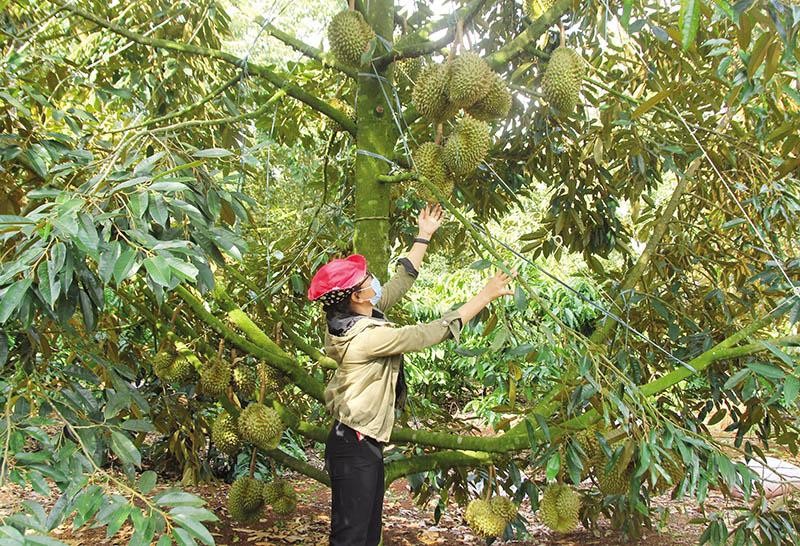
(172, 369)
(504, 507)
(430, 95)
(559, 508)
(466, 146)
(562, 79)
(225, 434)
(614, 480)
(483, 521)
(429, 163)
(470, 78)
(673, 466)
(349, 35)
(215, 378)
(496, 103)
(260, 426)
(281, 496)
(245, 379)
(536, 8)
(407, 71)
(245, 500)
(273, 380)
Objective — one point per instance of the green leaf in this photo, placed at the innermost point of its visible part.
(12, 298)
(147, 481)
(125, 265)
(158, 269)
(138, 425)
(790, 388)
(179, 498)
(688, 21)
(124, 448)
(49, 287)
(169, 187)
(212, 152)
(625, 19)
(758, 54)
(779, 353)
(199, 514)
(736, 378)
(766, 370)
(553, 466)
(195, 528)
(35, 161)
(182, 537)
(117, 519)
(520, 298)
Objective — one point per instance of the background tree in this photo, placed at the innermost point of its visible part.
(149, 237)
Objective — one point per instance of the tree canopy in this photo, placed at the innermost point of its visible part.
(170, 182)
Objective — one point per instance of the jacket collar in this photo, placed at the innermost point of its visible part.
(340, 323)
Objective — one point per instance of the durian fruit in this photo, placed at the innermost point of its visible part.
(559, 508)
(162, 363)
(504, 507)
(260, 426)
(406, 71)
(428, 160)
(225, 435)
(673, 466)
(430, 95)
(536, 8)
(347, 109)
(272, 378)
(281, 496)
(171, 368)
(483, 521)
(495, 104)
(214, 379)
(561, 82)
(613, 481)
(245, 500)
(470, 78)
(245, 379)
(349, 35)
(466, 146)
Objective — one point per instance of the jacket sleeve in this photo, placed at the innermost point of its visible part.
(379, 341)
(396, 287)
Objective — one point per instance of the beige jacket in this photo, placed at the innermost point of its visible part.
(361, 393)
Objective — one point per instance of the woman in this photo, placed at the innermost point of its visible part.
(369, 383)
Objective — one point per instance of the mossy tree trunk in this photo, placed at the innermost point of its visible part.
(376, 134)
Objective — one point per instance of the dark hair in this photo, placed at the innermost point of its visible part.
(340, 307)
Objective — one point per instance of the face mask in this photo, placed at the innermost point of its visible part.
(376, 286)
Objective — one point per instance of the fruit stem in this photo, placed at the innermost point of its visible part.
(439, 133)
(561, 28)
(253, 462)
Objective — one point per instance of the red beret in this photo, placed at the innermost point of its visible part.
(336, 275)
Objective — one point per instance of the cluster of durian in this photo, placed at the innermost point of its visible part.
(562, 79)
(461, 154)
(350, 36)
(406, 71)
(489, 518)
(559, 507)
(536, 8)
(257, 424)
(466, 83)
(171, 367)
(248, 496)
(281, 496)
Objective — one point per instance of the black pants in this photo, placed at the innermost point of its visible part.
(356, 470)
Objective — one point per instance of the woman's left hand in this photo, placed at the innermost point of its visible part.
(430, 219)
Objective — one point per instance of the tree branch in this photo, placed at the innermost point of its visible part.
(291, 89)
(465, 14)
(441, 460)
(308, 50)
(515, 47)
(266, 350)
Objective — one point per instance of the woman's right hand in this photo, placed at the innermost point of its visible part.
(497, 286)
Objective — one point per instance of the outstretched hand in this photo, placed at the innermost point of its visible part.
(430, 219)
(497, 286)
